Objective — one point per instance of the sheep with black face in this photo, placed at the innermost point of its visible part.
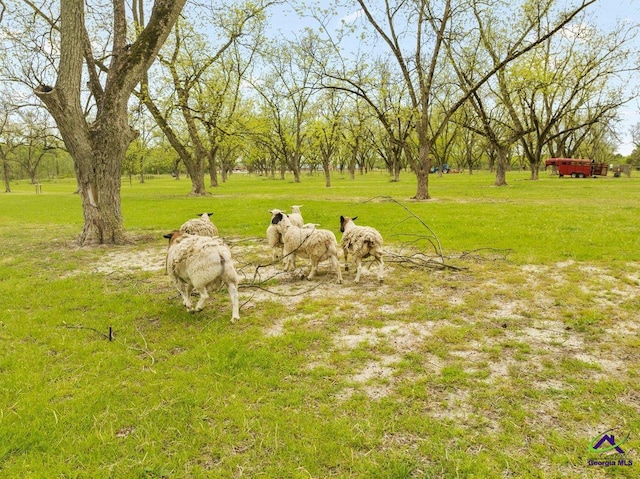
(312, 243)
(274, 238)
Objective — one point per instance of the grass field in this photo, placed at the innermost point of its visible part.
(510, 362)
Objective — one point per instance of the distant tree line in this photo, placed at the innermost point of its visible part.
(157, 87)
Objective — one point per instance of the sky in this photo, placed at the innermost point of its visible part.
(605, 13)
(608, 12)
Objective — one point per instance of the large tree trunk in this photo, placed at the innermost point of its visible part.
(213, 168)
(7, 175)
(196, 171)
(327, 174)
(396, 169)
(501, 167)
(99, 156)
(421, 169)
(295, 166)
(99, 148)
(351, 167)
(422, 189)
(535, 169)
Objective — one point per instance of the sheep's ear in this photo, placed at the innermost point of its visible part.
(341, 219)
(276, 219)
(210, 214)
(354, 218)
(168, 235)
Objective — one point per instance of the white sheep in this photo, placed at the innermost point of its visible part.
(361, 242)
(296, 216)
(201, 226)
(274, 238)
(315, 244)
(201, 263)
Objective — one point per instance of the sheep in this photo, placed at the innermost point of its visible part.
(296, 217)
(201, 263)
(201, 226)
(361, 242)
(274, 238)
(315, 244)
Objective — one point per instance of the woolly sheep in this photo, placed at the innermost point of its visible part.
(201, 263)
(315, 244)
(296, 216)
(201, 226)
(274, 238)
(361, 242)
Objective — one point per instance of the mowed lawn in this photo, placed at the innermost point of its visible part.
(511, 359)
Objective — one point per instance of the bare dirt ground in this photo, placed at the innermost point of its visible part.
(497, 320)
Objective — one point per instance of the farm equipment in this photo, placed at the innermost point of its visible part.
(445, 168)
(577, 167)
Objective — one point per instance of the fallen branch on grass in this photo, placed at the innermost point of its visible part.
(110, 336)
(419, 261)
(476, 254)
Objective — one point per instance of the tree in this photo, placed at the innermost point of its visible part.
(287, 91)
(634, 157)
(566, 93)
(259, 152)
(326, 130)
(200, 87)
(355, 135)
(97, 137)
(7, 143)
(34, 138)
(421, 36)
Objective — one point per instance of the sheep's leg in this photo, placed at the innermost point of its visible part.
(233, 294)
(289, 261)
(185, 291)
(314, 268)
(336, 268)
(346, 265)
(358, 269)
(204, 295)
(380, 269)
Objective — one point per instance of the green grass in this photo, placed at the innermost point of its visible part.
(546, 220)
(506, 367)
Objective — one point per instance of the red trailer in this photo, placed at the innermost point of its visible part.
(577, 167)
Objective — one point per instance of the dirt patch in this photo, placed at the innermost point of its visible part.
(513, 312)
(403, 336)
(126, 261)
